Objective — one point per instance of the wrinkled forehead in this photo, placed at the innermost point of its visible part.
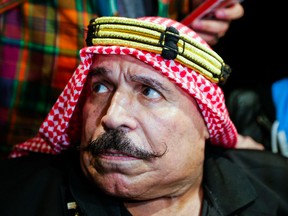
(112, 64)
(117, 66)
(117, 60)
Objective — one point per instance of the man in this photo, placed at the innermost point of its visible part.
(155, 136)
(40, 41)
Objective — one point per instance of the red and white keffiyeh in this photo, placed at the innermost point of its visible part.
(63, 125)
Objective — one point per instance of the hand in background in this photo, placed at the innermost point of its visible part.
(211, 29)
(246, 142)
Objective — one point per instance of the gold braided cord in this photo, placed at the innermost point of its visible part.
(153, 26)
(129, 21)
(196, 67)
(150, 37)
(188, 50)
(128, 36)
(126, 43)
(146, 33)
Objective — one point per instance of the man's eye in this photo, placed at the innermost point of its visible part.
(151, 93)
(99, 88)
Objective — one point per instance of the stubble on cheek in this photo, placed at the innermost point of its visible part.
(91, 118)
(87, 163)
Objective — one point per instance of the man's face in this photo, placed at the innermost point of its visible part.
(131, 99)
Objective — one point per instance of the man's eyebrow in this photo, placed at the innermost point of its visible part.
(149, 82)
(98, 71)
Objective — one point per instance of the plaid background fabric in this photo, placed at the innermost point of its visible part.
(39, 51)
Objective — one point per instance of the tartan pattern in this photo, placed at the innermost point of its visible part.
(40, 43)
(38, 54)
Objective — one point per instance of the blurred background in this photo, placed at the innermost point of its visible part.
(256, 46)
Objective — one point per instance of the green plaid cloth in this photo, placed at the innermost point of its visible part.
(39, 45)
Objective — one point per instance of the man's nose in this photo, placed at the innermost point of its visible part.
(120, 113)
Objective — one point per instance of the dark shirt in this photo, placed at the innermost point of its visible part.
(236, 182)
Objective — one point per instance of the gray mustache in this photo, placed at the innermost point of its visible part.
(117, 140)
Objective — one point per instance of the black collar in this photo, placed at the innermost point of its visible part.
(230, 189)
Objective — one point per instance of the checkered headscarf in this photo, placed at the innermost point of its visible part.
(63, 125)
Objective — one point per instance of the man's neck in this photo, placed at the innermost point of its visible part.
(189, 203)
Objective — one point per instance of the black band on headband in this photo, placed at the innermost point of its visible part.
(225, 73)
(90, 33)
(170, 48)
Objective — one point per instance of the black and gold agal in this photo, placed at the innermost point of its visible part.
(160, 39)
